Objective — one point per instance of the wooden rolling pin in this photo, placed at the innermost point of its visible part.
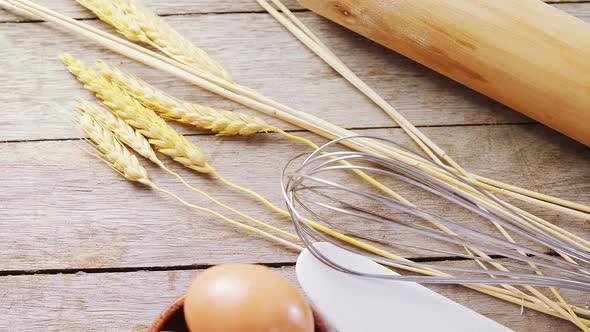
(526, 54)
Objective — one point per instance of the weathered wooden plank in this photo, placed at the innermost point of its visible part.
(69, 7)
(278, 66)
(131, 301)
(62, 208)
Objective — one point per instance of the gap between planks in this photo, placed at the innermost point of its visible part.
(68, 139)
(25, 20)
(189, 267)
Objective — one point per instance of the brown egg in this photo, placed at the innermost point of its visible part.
(245, 298)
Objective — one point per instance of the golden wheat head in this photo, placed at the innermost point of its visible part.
(122, 131)
(160, 135)
(113, 152)
(137, 23)
(218, 121)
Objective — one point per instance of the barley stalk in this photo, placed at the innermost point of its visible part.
(202, 117)
(137, 23)
(165, 139)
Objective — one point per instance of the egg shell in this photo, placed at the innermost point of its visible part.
(244, 297)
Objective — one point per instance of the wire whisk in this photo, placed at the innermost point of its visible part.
(318, 190)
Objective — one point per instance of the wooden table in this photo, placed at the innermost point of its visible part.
(84, 250)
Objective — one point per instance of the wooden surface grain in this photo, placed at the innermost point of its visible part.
(78, 213)
(261, 55)
(71, 8)
(85, 250)
(129, 301)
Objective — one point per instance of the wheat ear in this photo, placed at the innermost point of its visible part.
(113, 152)
(148, 123)
(222, 122)
(124, 162)
(137, 23)
(107, 11)
(218, 121)
(129, 136)
(126, 134)
(144, 120)
(123, 132)
(165, 139)
(168, 40)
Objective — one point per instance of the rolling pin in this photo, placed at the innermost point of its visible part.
(525, 54)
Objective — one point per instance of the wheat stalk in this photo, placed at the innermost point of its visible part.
(231, 221)
(115, 154)
(202, 117)
(129, 136)
(137, 23)
(107, 11)
(147, 122)
(143, 120)
(123, 132)
(165, 139)
(128, 165)
(125, 163)
(265, 105)
(140, 144)
(222, 122)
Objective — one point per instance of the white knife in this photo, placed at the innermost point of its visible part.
(356, 304)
